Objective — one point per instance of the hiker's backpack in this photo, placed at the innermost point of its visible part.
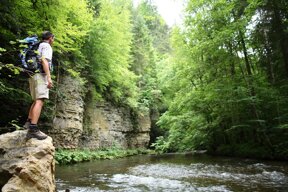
(29, 56)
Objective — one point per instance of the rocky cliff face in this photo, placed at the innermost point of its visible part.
(105, 125)
(26, 166)
(68, 122)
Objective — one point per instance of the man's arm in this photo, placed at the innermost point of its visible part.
(46, 69)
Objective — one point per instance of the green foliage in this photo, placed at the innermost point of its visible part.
(221, 88)
(161, 145)
(81, 155)
(108, 52)
(245, 150)
(14, 69)
(223, 84)
(98, 42)
(150, 47)
(158, 29)
(68, 20)
(15, 124)
(105, 35)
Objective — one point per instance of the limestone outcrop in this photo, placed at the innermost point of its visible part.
(26, 165)
(106, 125)
(89, 123)
(67, 125)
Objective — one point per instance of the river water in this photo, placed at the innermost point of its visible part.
(174, 172)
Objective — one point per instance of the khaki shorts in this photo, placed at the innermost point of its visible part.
(38, 86)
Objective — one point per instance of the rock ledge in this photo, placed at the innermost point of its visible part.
(26, 165)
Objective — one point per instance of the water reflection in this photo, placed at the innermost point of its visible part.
(175, 172)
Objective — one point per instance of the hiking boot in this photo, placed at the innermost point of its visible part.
(34, 132)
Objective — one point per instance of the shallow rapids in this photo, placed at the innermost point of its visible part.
(174, 172)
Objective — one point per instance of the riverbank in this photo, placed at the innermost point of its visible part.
(250, 150)
(68, 156)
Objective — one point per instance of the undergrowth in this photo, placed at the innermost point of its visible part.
(69, 156)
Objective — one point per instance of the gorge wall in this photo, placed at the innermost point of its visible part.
(67, 125)
(107, 125)
(84, 122)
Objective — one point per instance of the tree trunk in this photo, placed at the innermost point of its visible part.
(250, 85)
(269, 65)
(232, 64)
(247, 63)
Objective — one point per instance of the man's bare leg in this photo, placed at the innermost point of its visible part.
(30, 111)
(35, 110)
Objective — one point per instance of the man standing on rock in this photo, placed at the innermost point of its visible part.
(39, 84)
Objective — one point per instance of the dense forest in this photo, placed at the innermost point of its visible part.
(218, 82)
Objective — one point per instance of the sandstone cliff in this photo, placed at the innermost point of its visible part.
(85, 122)
(68, 123)
(26, 166)
(106, 125)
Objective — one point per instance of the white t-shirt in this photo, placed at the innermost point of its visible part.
(45, 50)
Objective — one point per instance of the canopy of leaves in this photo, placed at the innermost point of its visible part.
(108, 52)
(225, 84)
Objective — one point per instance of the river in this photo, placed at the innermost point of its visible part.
(174, 172)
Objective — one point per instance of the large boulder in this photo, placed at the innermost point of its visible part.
(26, 165)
